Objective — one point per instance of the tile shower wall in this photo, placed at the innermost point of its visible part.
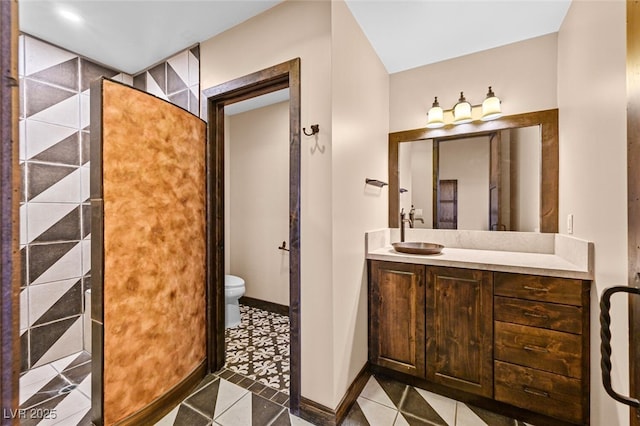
(176, 80)
(55, 239)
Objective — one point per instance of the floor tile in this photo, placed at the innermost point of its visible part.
(54, 387)
(187, 416)
(394, 390)
(415, 405)
(469, 415)
(34, 379)
(250, 410)
(205, 399)
(63, 363)
(169, 418)
(445, 407)
(72, 404)
(259, 348)
(374, 392)
(377, 414)
(228, 394)
(237, 415)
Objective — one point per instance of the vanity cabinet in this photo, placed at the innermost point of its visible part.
(541, 344)
(460, 329)
(396, 317)
(514, 338)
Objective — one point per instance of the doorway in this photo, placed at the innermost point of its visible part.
(448, 204)
(278, 77)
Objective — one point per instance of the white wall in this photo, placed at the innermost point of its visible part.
(275, 36)
(526, 144)
(258, 201)
(345, 91)
(467, 161)
(422, 181)
(360, 117)
(593, 186)
(406, 157)
(523, 76)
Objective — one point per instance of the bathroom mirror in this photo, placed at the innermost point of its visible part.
(499, 175)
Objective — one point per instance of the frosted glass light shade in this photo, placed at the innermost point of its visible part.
(462, 111)
(435, 117)
(491, 107)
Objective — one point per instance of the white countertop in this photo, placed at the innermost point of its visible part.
(527, 253)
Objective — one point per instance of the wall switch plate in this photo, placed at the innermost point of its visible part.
(570, 223)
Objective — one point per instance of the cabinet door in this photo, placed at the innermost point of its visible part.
(396, 317)
(459, 329)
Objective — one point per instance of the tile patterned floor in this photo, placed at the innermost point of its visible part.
(219, 402)
(259, 348)
(386, 402)
(58, 393)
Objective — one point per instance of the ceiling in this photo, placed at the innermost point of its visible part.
(135, 34)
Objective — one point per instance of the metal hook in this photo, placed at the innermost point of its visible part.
(315, 128)
(283, 246)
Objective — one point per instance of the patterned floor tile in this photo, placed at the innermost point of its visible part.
(259, 348)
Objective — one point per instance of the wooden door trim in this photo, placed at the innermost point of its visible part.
(286, 74)
(633, 185)
(9, 205)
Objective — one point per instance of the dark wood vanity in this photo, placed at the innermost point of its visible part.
(499, 339)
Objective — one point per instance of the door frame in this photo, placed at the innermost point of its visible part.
(281, 76)
(633, 197)
(10, 271)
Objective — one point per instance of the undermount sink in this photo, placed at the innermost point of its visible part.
(417, 247)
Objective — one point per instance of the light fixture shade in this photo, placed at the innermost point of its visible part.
(435, 117)
(491, 107)
(462, 111)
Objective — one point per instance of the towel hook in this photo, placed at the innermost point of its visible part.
(315, 128)
(283, 246)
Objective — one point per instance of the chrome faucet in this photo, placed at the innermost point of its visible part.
(402, 221)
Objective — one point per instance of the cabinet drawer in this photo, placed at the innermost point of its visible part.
(533, 287)
(547, 350)
(538, 314)
(546, 393)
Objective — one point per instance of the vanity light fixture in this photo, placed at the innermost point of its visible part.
(435, 118)
(491, 107)
(462, 111)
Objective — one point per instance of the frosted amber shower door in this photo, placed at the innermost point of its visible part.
(148, 204)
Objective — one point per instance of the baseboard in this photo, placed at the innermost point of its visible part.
(352, 393)
(264, 305)
(159, 408)
(318, 414)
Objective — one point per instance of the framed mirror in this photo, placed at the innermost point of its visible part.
(493, 175)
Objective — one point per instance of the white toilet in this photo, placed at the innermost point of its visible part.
(233, 290)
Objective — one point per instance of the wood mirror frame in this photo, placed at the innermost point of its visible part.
(548, 122)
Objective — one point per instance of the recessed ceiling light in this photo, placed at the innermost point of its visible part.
(70, 15)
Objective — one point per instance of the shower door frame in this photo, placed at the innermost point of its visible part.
(281, 76)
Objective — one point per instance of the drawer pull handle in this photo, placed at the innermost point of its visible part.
(534, 315)
(542, 290)
(536, 349)
(535, 392)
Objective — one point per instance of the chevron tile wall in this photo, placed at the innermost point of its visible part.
(55, 234)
